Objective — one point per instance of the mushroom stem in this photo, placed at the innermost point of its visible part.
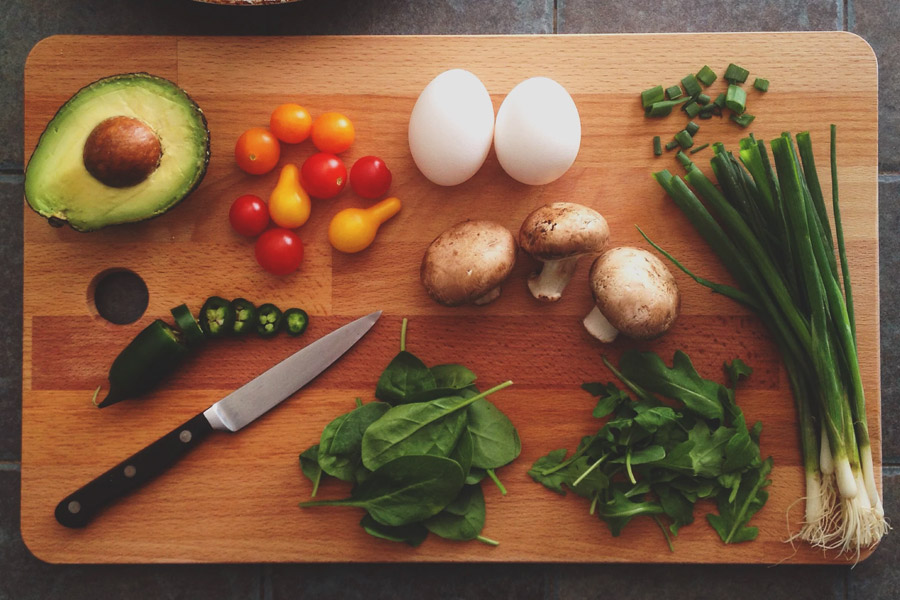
(549, 281)
(491, 295)
(599, 327)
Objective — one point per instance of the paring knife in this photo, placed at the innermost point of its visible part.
(231, 413)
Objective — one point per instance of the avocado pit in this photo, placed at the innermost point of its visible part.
(122, 151)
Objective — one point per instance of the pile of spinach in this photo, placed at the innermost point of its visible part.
(417, 455)
(658, 459)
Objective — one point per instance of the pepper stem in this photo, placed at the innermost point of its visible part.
(403, 335)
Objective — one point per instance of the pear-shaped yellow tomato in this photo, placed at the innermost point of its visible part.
(289, 203)
(354, 229)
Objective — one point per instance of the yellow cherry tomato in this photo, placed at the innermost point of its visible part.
(289, 204)
(353, 229)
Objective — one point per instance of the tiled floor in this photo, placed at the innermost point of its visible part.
(24, 22)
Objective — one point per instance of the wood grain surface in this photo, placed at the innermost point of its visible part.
(235, 498)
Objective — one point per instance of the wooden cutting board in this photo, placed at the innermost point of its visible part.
(235, 498)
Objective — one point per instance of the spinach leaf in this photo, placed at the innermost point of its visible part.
(413, 534)
(405, 376)
(309, 465)
(422, 428)
(462, 519)
(475, 475)
(681, 382)
(452, 376)
(495, 438)
(339, 452)
(405, 490)
(463, 452)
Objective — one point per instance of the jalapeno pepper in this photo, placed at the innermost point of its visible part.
(152, 354)
(268, 320)
(244, 316)
(216, 317)
(190, 329)
(295, 321)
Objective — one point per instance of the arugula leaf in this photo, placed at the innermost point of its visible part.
(735, 513)
(620, 509)
(681, 382)
(609, 397)
(737, 369)
(309, 465)
(541, 472)
(678, 507)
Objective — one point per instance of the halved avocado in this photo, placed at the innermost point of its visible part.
(124, 148)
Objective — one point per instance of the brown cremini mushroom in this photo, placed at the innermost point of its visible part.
(634, 294)
(558, 234)
(467, 263)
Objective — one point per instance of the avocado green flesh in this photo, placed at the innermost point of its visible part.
(57, 184)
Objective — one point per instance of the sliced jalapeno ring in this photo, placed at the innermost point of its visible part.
(188, 325)
(216, 317)
(244, 316)
(295, 321)
(268, 320)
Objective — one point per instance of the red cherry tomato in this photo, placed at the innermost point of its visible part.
(370, 177)
(249, 215)
(324, 175)
(279, 251)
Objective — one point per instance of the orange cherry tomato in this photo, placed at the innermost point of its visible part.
(332, 132)
(290, 123)
(257, 151)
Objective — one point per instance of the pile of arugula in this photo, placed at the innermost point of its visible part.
(417, 456)
(657, 459)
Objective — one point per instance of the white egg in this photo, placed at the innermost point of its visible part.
(451, 127)
(538, 131)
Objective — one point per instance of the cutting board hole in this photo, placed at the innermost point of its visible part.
(119, 296)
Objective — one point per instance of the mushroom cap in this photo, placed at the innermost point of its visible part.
(467, 261)
(635, 292)
(563, 229)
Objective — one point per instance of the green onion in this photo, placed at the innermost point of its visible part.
(708, 111)
(703, 99)
(654, 94)
(736, 74)
(699, 148)
(692, 109)
(769, 226)
(672, 145)
(674, 92)
(736, 98)
(691, 85)
(761, 84)
(663, 107)
(720, 100)
(657, 146)
(692, 128)
(684, 160)
(706, 76)
(743, 120)
(684, 139)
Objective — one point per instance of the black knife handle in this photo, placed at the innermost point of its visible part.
(77, 509)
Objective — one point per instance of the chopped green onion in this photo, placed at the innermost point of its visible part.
(708, 111)
(672, 145)
(692, 109)
(657, 146)
(674, 92)
(736, 74)
(699, 148)
(720, 100)
(706, 76)
(663, 107)
(691, 85)
(686, 162)
(703, 99)
(692, 128)
(705, 115)
(743, 120)
(761, 84)
(684, 139)
(654, 94)
(736, 99)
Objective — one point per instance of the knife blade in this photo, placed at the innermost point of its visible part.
(230, 414)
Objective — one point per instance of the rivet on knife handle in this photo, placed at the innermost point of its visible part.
(77, 509)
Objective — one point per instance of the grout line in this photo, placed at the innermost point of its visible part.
(10, 466)
(555, 16)
(843, 19)
(849, 15)
(889, 178)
